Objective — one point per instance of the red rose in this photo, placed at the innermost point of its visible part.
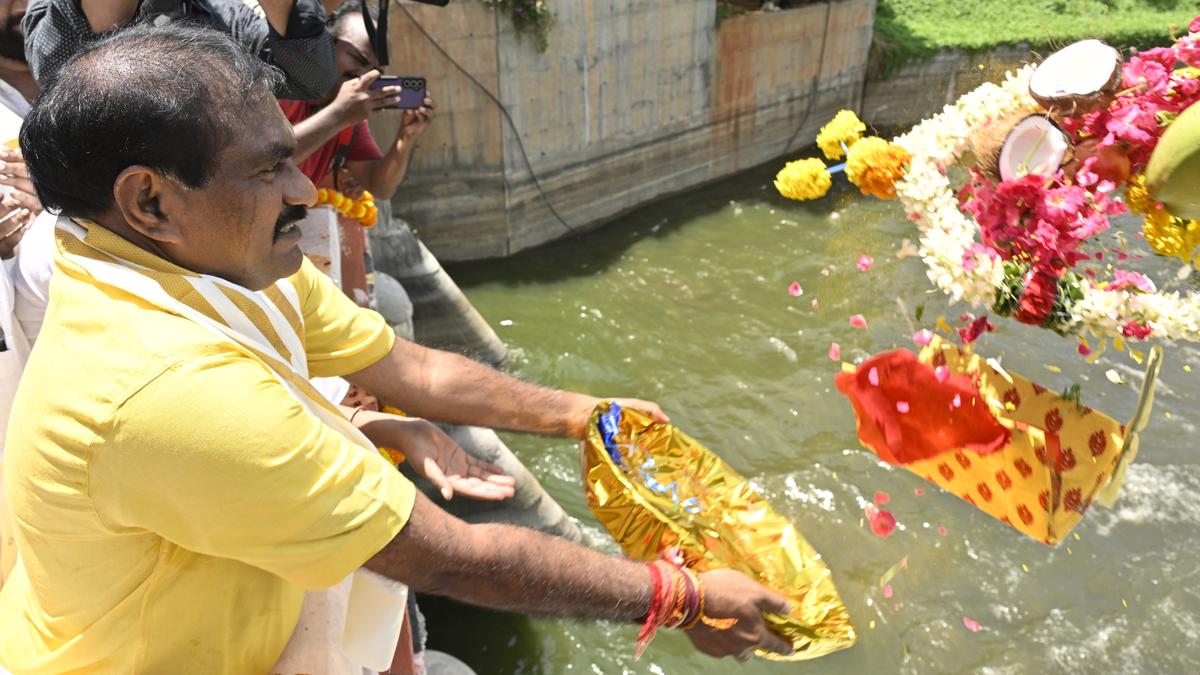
(1037, 301)
(1138, 331)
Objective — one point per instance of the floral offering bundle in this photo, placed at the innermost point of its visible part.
(1059, 149)
(654, 489)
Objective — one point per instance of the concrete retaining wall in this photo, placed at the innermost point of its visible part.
(920, 90)
(633, 100)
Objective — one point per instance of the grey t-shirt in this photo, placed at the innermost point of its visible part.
(56, 29)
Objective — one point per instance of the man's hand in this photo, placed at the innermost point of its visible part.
(436, 457)
(356, 100)
(414, 122)
(732, 595)
(579, 421)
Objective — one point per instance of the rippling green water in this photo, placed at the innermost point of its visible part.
(685, 302)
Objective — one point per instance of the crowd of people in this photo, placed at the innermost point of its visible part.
(183, 489)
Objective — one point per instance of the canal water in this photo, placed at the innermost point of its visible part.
(686, 302)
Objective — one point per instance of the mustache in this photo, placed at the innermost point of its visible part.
(290, 214)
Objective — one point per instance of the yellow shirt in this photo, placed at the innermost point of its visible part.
(172, 501)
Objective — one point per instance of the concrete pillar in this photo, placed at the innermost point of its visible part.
(442, 317)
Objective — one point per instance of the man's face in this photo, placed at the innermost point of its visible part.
(241, 226)
(352, 48)
(12, 40)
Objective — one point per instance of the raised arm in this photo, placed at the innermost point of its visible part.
(106, 15)
(278, 12)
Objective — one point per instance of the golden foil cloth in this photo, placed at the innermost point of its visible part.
(1062, 455)
(668, 490)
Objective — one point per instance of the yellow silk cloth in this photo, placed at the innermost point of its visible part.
(671, 491)
(1061, 455)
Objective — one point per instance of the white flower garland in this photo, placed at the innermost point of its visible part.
(947, 234)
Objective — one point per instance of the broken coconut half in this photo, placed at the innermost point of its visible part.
(1020, 144)
(1077, 79)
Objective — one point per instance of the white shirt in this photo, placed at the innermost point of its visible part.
(13, 108)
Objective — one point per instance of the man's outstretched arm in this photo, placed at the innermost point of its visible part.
(520, 570)
(447, 387)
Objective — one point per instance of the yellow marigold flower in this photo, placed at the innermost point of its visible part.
(1165, 236)
(1137, 197)
(874, 165)
(845, 127)
(1191, 237)
(803, 179)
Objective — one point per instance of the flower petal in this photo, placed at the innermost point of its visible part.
(835, 351)
(858, 321)
(794, 290)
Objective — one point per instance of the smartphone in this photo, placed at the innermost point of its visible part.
(412, 90)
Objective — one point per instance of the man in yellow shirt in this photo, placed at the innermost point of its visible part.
(175, 483)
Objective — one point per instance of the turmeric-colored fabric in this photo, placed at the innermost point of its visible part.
(172, 501)
(1045, 477)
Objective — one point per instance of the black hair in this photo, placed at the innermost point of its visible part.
(167, 97)
(346, 9)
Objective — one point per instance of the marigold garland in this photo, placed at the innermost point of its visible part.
(362, 209)
(874, 165)
(803, 179)
(843, 131)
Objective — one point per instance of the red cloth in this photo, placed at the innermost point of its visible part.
(909, 415)
(317, 166)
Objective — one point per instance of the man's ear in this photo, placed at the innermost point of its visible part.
(138, 195)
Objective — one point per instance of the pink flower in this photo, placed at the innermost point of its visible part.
(882, 498)
(794, 290)
(824, 271)
(1061, 206)
(1084, 350)
(920, 492)
(883, 523)
(816, 304)
(887, 591)
(865, 262)
(971, 624)
(835, 351)
(1123, 279)
(858, 321)
(1138, 331)
(1194, 26)
(923, 337)
(941, 531)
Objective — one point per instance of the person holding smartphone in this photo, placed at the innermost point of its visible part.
(333, 130)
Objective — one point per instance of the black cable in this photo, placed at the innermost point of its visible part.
(513, 125)
(813, 89)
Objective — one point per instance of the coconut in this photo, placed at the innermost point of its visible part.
(1078, 78)
(1173, 173)
(1035, 145)
(1019, 144)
